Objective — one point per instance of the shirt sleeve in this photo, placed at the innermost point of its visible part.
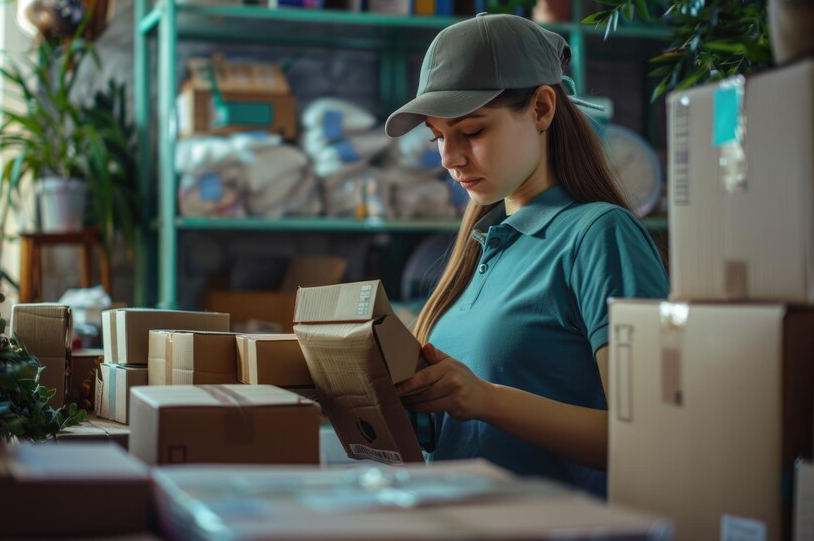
(615, 257)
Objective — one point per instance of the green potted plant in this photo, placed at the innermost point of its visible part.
(67, 147)
(24, 410)
(709, 39)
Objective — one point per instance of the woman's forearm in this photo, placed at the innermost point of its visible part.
(577, 433)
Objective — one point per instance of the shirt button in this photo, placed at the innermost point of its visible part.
(494, 242)
(483, 267)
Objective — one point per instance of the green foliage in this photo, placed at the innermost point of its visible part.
(710, 39)
(57, 135)
(24, 409)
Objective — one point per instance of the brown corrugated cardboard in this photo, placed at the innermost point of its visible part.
(109, 336)
(192, 357)
(132, 327)
(275, 359)
(447, 500)
(95, 428)
(113, 384)
(82, 377)
(271, 306)
(709, 407)
(356, 349)
(737, 210)
(48, 485)
(222, 424)
(46, 329)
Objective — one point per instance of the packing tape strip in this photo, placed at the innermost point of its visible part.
(673, 320)
(729, 132)
(239, 423)
(111, 391)
(168, 359)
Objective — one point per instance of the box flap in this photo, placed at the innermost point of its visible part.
(399, 348)
(164, 396)
(358, 301)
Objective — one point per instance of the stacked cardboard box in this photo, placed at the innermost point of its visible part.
(711, 403)
(192, 357)
(126, 341)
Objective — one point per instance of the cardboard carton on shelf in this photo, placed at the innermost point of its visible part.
(710, 406)
(276, 308)
(741, 185)
(191, 357)
(45, 329)
(125, 331)
(50, 487)
(113, 384)
(442, 501)
(172, 424)
(356, 350)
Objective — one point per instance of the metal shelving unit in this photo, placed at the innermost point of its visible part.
(166, 22)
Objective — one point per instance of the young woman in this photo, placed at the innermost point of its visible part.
(516, 331)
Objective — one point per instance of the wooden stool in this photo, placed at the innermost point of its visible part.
(31, 259)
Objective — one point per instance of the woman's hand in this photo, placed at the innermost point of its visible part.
(445, 385)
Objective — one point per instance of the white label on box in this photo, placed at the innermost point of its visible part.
(681, 153)
(804, 501)
(742, 529)
(388, 457)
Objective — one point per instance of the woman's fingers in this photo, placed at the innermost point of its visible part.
(433, 392)
(422, 378)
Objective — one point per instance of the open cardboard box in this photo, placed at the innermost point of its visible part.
(356, 350)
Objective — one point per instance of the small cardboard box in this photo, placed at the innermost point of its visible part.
(95, 429)
(446, 500)
(741, 177)
(243, 306)
(82, 377)
(125, 331)
(709, 407)
(192, 357)
(356, 350)
(222, 424)
(63, 478)
(273, 359)
(113, 384)
(45, 329)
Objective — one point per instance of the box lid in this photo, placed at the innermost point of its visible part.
(170, 396)
(354, 302)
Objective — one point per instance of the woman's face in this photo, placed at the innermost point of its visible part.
(494, 153)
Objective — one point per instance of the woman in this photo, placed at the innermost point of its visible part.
(516, 331)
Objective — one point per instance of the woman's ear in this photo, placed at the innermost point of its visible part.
(543, 105)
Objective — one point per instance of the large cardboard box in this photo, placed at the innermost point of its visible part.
(222, 424)
(356, 350)
(113, 384)
(449, 500)
(274, 359)
(710, 405)
(125, 331)
(741, 174)
(192, 357)
(46, 491)
(45, 329)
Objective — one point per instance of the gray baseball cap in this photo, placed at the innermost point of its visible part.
(469, 63)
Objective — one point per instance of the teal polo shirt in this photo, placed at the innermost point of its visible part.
(534, 313)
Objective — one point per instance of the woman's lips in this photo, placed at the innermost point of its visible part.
(469, 183)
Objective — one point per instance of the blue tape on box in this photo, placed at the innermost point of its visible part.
(332, 124)
(726, 108)
(346, 152)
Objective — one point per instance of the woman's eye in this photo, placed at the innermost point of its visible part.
(436, 138)
(474, 133)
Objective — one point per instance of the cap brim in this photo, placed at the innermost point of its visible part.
(441, 103)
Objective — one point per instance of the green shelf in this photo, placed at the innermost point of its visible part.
(325, 225)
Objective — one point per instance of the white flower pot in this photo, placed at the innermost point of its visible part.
(62, 204)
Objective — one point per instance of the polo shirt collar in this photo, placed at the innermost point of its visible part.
(530, 219)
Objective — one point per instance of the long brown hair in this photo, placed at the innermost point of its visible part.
(577, 162)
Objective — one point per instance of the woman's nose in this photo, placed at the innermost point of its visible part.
(452, 155)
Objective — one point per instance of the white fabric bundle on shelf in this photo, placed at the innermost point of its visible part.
(214, 193)
(417, 194)
(347, 154)
(332, 118)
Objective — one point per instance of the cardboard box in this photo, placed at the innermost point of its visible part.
(45, 329)
(192, 357)
(742, 206)
(113, 384)
(95, 429)
(273, 359)
(446, 500)
(125, 331)
(710, 405)
(222, 424)
(244, 306)
(50, 487)
(356, 350)
(82, 377)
